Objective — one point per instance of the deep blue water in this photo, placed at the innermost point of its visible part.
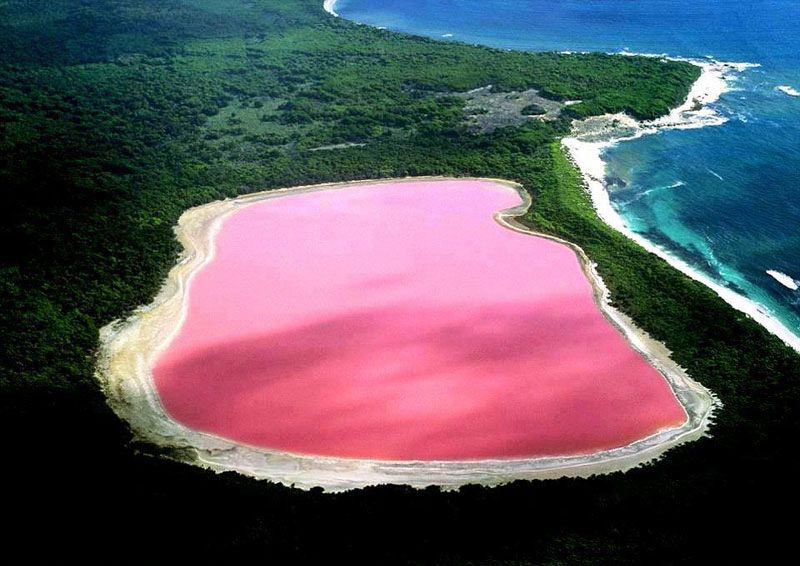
(726, 199)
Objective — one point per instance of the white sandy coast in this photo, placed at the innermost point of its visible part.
(330, 7)
(130, 348)
(586, 151)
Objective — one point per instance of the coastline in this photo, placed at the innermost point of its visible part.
(128, 350)
(590, 138)
(695, 112)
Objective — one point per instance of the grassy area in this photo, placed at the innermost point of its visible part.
(116, 115)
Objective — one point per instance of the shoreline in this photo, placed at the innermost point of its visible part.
(585, 149)
(129, 349)
(693, 113)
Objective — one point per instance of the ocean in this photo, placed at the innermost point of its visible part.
(723, 199)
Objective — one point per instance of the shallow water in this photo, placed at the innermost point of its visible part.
(724, 199)
(402, 322)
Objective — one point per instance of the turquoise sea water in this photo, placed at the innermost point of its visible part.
(725, 199)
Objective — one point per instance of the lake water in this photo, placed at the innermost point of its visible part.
(725, 199)
(401, 321)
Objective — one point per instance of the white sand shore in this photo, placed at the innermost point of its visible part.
(588, 142)
(130, 348)
(330, 7)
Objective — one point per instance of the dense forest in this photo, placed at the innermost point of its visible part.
(117, 115)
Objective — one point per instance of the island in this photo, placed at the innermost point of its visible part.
(119, 118)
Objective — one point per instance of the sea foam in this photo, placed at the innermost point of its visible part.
(783, 279)
(643, 194)
(786, 89)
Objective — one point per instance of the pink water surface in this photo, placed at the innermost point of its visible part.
(401, 321)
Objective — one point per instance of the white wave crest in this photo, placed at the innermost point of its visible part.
(786, 89)
(639, 196)
(783, 279)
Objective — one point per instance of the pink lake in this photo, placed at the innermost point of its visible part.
(402, 322)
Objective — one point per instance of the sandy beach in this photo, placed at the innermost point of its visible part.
(330, 7)
(129, 349)
(592, 137)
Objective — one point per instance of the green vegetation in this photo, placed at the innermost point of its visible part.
(116, 115)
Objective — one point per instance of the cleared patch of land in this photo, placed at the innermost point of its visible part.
(487, 109)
